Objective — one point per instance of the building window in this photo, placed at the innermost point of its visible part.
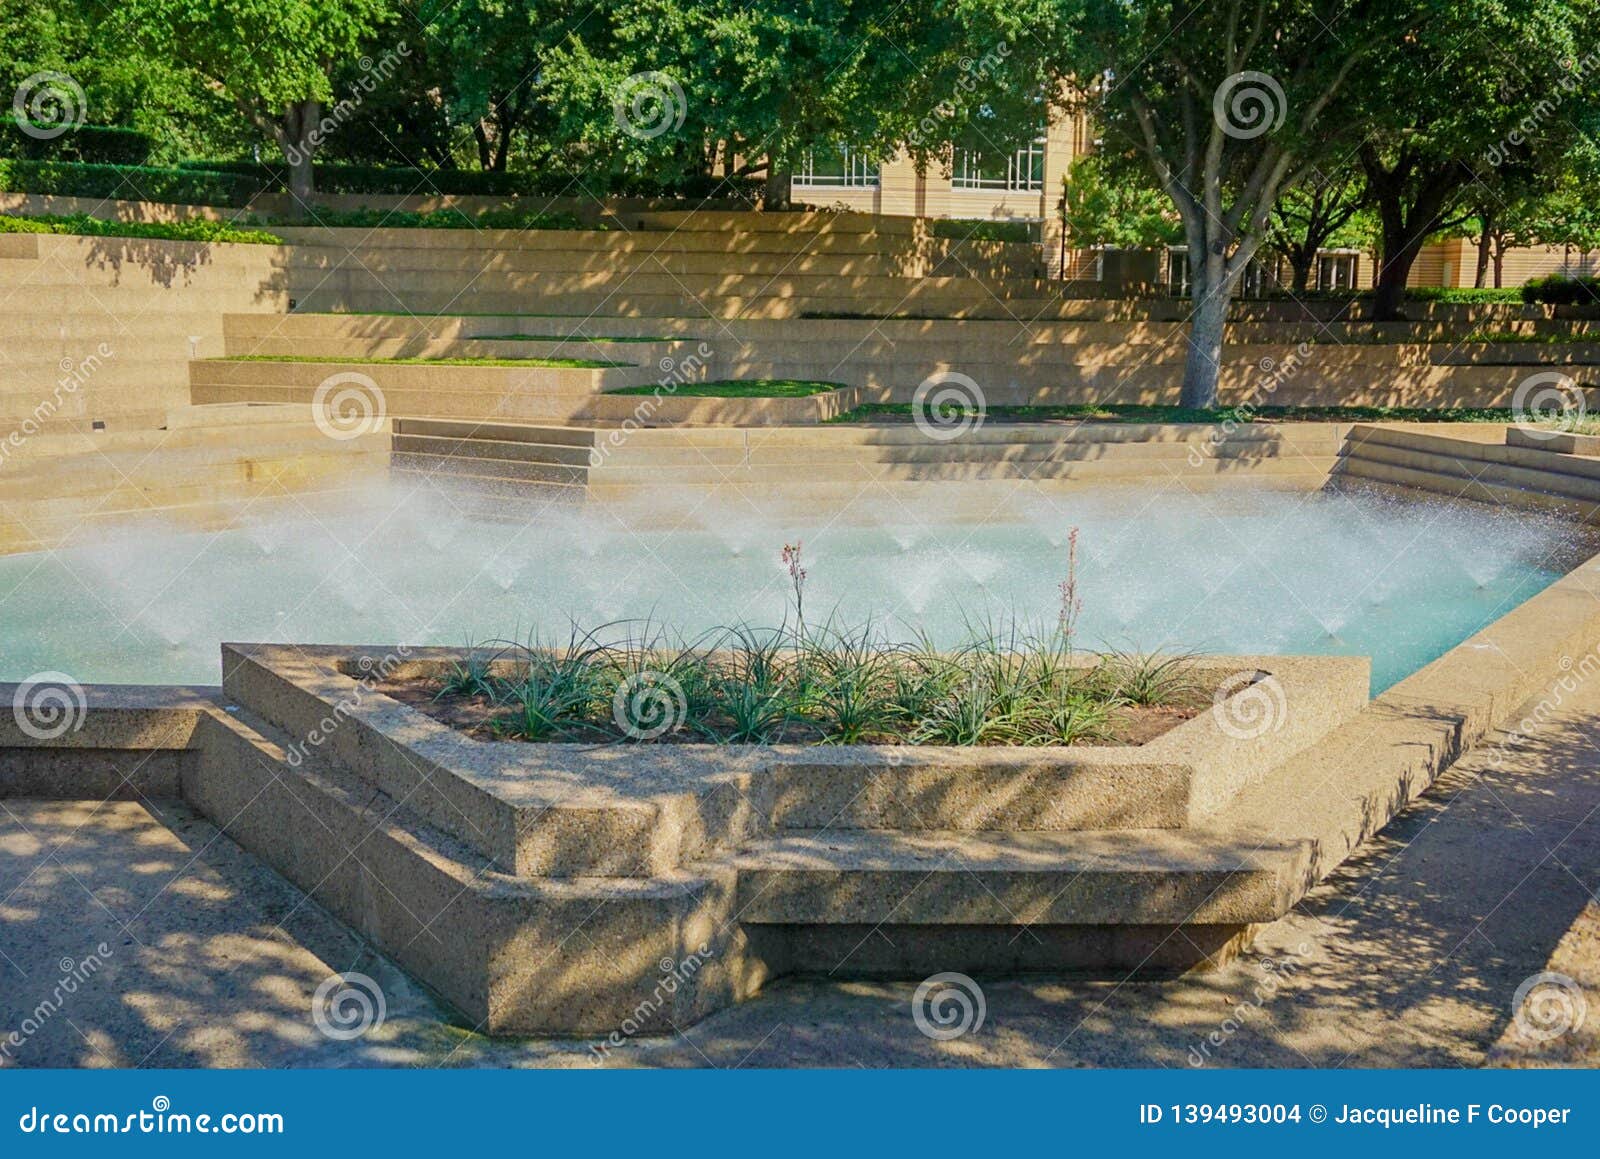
(1336, 271)
(838, 168)
(1178, 271)
(1022, 171)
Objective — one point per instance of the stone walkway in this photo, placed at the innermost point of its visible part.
(183, 951)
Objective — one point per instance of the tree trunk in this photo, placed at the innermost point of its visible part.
(1301, 263)
(480, 136)
(298, 141)
(1207, 326)
(775, 192)
(1485, 240)
(1400, 250)
(1499, 265)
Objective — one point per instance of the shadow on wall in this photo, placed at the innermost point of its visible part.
(179, 264)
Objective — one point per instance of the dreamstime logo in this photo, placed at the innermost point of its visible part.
(649, 704)
(348, 1005)
(1249, 704)
(348, 405)
(1548, 1005)
(1548, 404)
(1249, 104)
(947, 405)
(947, 1006)
(48, 705)
(649, 104)
(48, 104)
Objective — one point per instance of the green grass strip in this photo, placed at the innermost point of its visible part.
(734, 388)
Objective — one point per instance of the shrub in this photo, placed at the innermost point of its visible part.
(1464, 296)
(126, 182)
(445, 219)
(1557, 290)
(379, 180)
(189, 229)
(93, 144)
(966, 229)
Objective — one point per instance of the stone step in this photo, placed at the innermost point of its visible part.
(1585, 488)
(494, 945)
(1087, 877)
(490, 450)
(573, 436)
(1456, 487)
(497, 469)
(348, 347)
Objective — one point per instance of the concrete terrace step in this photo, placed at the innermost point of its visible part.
(487, 449)
(334, 348)
(1122, 877)
(497, 469)
(499, 432)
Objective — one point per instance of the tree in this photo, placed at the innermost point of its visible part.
(271, 58)
(696, 87)
(1105, 205)
(1230, 103)
(1472, 86)
(1324, 210)
(120, 83)
(495, 54)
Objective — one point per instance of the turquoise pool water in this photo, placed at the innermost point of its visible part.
(1230, 572)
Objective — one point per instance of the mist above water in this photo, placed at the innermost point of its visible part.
(1241, 570)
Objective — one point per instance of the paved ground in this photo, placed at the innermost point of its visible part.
(181, 950)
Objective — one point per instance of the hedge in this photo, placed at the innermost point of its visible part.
(378, 180)
(91, 144)
(1557, 290)
(189, 229)
(126, 182)
(442, 219)
(966, 229)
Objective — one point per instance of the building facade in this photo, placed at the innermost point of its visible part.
(1025, 187)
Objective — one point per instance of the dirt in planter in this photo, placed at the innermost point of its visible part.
(479, 718)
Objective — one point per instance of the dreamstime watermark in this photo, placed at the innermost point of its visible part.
(74, 975)
(649, 704)
(1274, 372)
(372, 672)
(1574, 674)
(1574, 74)
(346, 1006)
(1249, 104)
(348, 405)
(947, 1006)
(373, 74)
(1547, 1006)
(1271, 973)
(1250, 704)
(160, 1119)
(49, 705)
(1548, 404)
(75, 374)
(648, 104)
(947, 405)
(674, 373)
(48, 104)
(975, 73)
(675, 975)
